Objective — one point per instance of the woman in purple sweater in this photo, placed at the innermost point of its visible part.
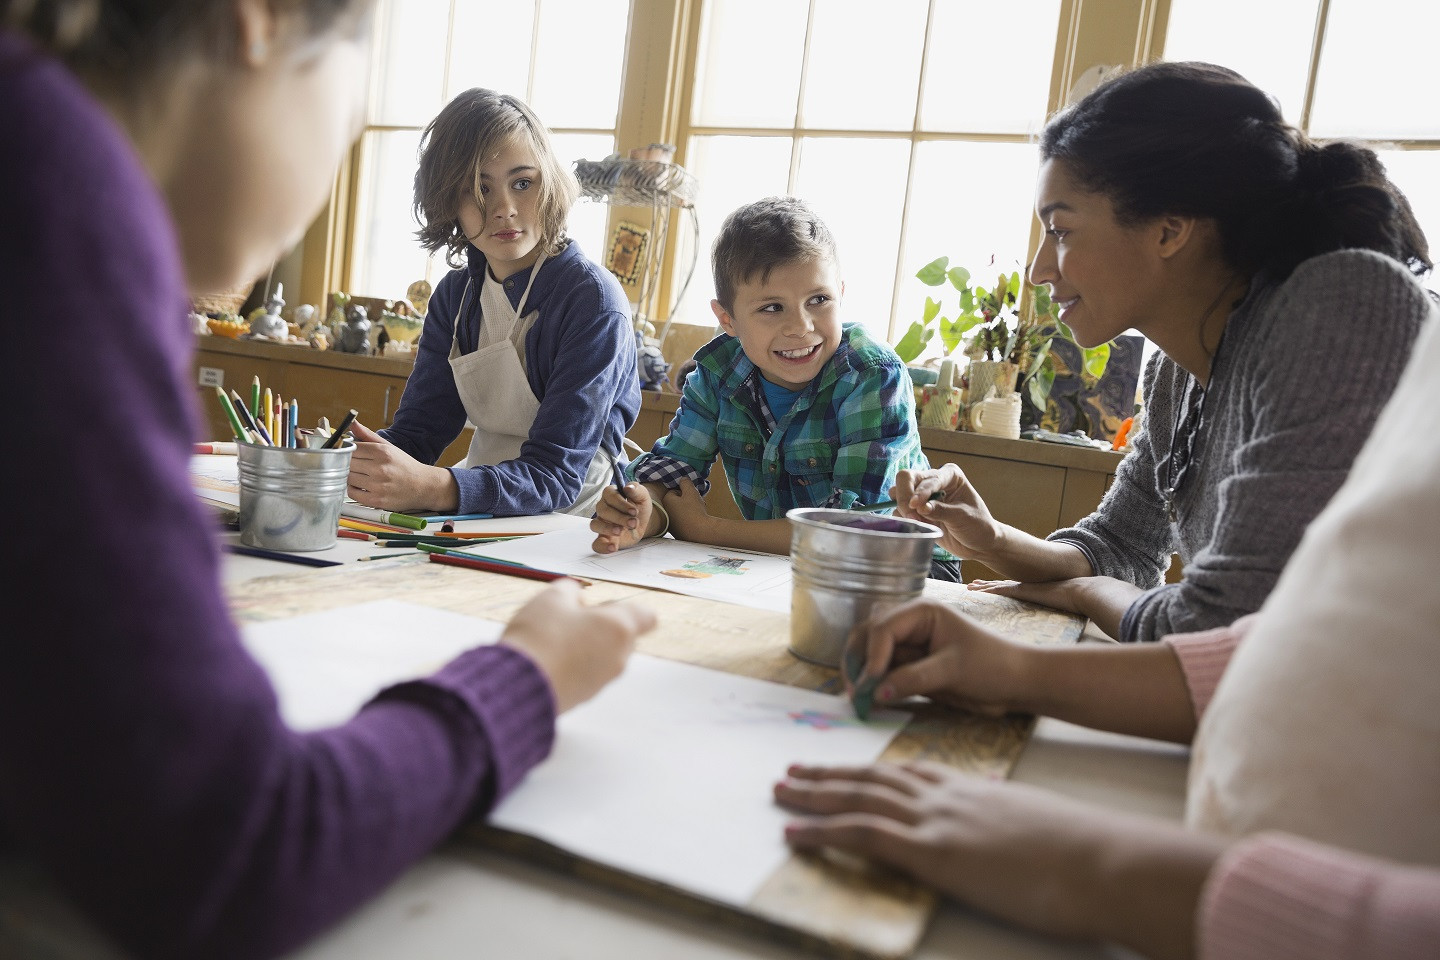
(157, 148)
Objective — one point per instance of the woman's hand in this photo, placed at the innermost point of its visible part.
(1103, 600)
(578, 648)
(970, 530)
(1027, 855)
(384, 476)
(621, 521)
(924, 648)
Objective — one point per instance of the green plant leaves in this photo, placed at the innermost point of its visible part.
(959, 277)
(1096, 360)
(932, 308)
(915, 340)
(952, 331)
(1039, 385)
(933, 273)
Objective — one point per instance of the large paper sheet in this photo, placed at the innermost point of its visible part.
(325, 666)
(216, 477)
(666, 774)
(745, 577)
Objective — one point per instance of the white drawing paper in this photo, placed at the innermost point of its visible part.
(216, 477)
(325, 666)
(667, 774)
(745, 577)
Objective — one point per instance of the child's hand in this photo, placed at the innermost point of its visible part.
(687, 511)
(578, 648)
(386, 477)
(1026, 855)
(925, 648)
(621, 521)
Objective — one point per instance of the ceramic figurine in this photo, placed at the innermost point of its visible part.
(270, 324)
(418, 295)
(355, 333)
(305, 318)
(650, 363)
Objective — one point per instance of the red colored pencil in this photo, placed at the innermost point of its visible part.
(528, 573)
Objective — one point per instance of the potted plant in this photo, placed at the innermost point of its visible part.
(1008, 345)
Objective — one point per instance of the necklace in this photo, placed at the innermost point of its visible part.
(1190, 419)
(1177, 462)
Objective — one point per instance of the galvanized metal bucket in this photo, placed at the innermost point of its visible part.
(290, 497)
(845, 564)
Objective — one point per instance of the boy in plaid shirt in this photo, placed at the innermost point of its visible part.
(804, 411)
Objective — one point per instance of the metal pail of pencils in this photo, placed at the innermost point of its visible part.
(845, 565)
(290, 497)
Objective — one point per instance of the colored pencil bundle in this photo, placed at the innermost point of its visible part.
(269, 421)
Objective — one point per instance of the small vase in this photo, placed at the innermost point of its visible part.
(985, 374)
(942, 407)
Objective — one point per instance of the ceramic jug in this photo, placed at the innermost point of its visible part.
(997, 416)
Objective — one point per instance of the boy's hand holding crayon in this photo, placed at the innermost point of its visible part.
(625, 516)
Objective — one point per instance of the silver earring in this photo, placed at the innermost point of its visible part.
(258, 50)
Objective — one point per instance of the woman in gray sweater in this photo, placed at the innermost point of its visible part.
(1278, 277)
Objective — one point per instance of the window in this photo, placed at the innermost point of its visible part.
(910, 132)
(425, 52)
(1361, 71)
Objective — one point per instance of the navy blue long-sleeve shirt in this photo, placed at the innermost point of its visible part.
(579, 360)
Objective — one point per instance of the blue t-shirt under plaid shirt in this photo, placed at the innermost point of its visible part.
(841, 443)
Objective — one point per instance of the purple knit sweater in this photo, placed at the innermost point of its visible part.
(142, 759)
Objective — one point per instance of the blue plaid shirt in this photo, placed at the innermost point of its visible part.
(850, 430)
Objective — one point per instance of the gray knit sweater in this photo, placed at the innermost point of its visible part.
(1301, 374)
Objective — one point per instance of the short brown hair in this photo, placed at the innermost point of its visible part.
(473, 128)
(763, 235)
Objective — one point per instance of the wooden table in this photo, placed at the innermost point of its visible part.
(811, 901)
(494, 894)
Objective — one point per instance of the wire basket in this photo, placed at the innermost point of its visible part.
(226, 301)
(640, 183)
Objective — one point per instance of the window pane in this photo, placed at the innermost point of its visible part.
(1417, 174)
(1267, 43)
(957, 98)
(858, 188)
(864, 69)
(387, 257)
(1376, 65)
(579, 61)
(971, 202)
(729, 91)
(587, 217)
(496, 66)
(731, 171)
(406, 82)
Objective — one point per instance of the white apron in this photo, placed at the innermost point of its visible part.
(496, 394)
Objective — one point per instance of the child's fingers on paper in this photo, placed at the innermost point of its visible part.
(836, 796)
(875, 837)
(894, 776)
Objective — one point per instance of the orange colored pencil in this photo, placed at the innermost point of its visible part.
(355, 535)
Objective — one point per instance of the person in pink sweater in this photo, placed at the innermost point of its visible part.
(1311, 828)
